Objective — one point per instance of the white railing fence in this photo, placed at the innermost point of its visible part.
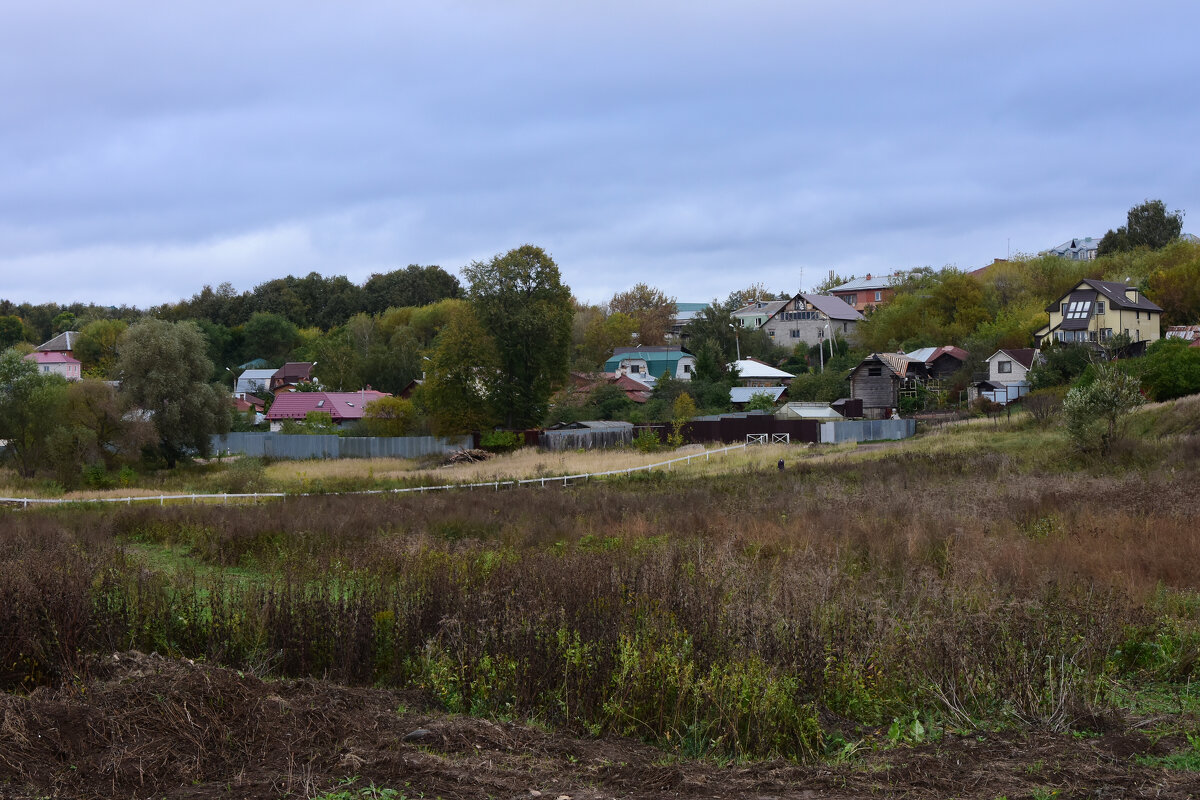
(225, 497)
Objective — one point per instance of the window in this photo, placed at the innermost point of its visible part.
(1137, 315)
(687, 369)
(852, 299)
(1064, 309)
(1004, 366)
(1099, 306)
(795, 333)
(878, 296)
(635, 368)
(1080, 309)
(1105, 334)
(874, 372)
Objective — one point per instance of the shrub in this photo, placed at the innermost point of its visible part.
(389, 416)
(647, 441)
(501, 441)
(1044, 404)
(1172, 369)
(1094, 411)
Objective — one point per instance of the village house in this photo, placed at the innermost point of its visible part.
(342, 407)
(1079, 249)
(290, 375)
(57, 363)
(809, 319)
(648, 364)
(869, 292)
(1096, 311)
(1008, 372)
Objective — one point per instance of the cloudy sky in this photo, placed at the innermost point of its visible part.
(149, 148)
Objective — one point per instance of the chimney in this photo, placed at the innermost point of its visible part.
(868, 276)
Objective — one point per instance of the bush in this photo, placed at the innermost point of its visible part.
(1172, 369)
(1044, 404)
(982, 406)
(243, 476)
(1094, 411)
(501, 441)
(647, 441)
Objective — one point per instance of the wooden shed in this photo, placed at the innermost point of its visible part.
(877, 382)
(588, 435)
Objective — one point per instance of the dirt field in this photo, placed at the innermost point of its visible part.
(145, 726)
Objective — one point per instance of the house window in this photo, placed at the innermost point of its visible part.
(1080, 309)
(852, 299)
(1105, 334)
(795, 333)
(878, 296)
(1137, 315)
(687, 369)
(1004, 366)
(1099, 306)
(1064, 309)
(874, 372)
(635, 368)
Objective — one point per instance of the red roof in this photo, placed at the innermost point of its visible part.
(52, 357)
(339, 405)
(956, 352)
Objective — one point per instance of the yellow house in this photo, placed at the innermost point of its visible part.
(1095, 311)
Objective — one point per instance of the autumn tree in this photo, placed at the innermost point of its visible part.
(389, 416)
(164, 373)
(650, 308)
(520, 300)
(30, 405)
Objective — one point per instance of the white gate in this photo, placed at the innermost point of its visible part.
(756, 438)
(781, 438)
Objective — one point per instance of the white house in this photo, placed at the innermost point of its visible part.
(1008, 372)
(57, 362)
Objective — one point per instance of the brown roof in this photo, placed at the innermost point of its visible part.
(1115, 294)
(1023, 356)
(833, 307)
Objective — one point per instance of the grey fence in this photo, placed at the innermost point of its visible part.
(298, 447)
(867, 430)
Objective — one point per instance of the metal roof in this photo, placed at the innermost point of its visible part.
(833, 307)
(339, 405)
(806, 410)
(743, 394)
(60, 343)
(870, 282)
(753, 368)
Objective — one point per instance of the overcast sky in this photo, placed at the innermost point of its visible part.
(147, 149)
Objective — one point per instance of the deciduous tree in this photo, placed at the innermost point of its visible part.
(1147, 225)
(164, 372)
(520, 300)
(650, 309)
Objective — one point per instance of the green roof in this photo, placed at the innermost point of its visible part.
(658, 359)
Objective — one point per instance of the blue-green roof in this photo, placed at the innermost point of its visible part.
(658, 359)
(690, 307)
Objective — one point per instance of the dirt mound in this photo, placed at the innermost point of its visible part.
(143, 726)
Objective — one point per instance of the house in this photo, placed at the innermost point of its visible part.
(63, 343)
(56, 362)
(342, 407)
(808, 319)
(287, 377)
(247, 402)
(252, 381)
(1008, 372)
(938, 364)
(878, 380)
(755, 314)
(646, 364)
(869, 292)
(1085, 249)
(1095, 311)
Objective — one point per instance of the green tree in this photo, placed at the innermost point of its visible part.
(455, 392)
(1147, 225)
(412, 286)
(96, 345)
(603, 334)
(164, 372)
(270, 336)
(521, 301)
(760, 401)
(683, 411)
(1172, 369)
(1094, 412)
(389, 416)
(609, 402)
(30, 407)
(12, 330)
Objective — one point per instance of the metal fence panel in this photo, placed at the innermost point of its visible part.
(867, 430)
(293, 447)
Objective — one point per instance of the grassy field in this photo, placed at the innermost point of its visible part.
(982, 577)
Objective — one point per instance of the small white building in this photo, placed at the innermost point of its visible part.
(1008, 375)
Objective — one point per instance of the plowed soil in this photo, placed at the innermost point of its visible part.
(144, 726)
